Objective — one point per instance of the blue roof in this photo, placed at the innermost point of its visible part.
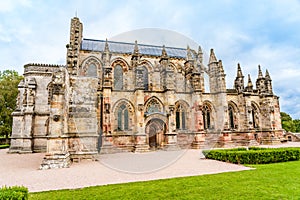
(128, 48)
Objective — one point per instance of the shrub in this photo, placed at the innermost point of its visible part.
(254, 155)
(4, 146)
(14, 193)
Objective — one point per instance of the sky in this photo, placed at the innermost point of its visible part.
(265, 32)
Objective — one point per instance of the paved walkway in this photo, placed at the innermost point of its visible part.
(22, 169)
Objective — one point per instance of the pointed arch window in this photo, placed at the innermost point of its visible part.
(91, 71)
(123, 118)
(231, 117)
(153, 106)
(180, 117)
(206, 117)
(118, 77)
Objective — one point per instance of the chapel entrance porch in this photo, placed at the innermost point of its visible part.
(155, 130)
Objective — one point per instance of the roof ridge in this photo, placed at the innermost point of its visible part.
(128, 43)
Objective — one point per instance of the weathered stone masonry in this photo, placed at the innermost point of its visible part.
(114, 96)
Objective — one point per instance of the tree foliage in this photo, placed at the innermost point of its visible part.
(9, 80)
(289, 124)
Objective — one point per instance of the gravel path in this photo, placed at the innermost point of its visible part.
(22, 169)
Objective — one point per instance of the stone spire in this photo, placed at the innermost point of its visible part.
(239, 71)
(249, 87)
(106, 47)
(260, 81)
(267, 76)
(239, 80)
(106, 54)
(260, 75)
(212, 57)
(268, 83)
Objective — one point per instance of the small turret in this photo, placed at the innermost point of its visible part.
(239, 80)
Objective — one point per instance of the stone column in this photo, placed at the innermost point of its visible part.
(141, 139)
(57, 155)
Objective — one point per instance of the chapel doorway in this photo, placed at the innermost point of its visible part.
(155, 130)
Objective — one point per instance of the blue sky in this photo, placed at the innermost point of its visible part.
(265, 32)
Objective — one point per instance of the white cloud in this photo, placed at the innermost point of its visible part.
(8, 6)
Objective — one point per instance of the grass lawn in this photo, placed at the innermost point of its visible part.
(270, 181)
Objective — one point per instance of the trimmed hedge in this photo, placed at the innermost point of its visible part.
(14, 193)
(4, 146)
(254, 155)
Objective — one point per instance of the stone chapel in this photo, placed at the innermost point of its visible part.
(115, 96)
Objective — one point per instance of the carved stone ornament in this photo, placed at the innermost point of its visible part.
(140, 107)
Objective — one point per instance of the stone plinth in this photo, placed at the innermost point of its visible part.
(55, 161)
(20, 145)
(199, 140)
(141, 143)
(171, 142)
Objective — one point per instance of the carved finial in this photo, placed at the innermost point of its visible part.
(136, 48)
(106, 48)
(267, 75)
(260, 75)
(212, 57)
(239, 71)
(249, 81)
(188, 53)
(164, 52)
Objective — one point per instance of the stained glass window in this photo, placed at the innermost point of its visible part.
(91, 71)
(118, 77)
(123, 118)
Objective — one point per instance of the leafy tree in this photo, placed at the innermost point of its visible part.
(9, 80)
(287, 122)
(297, 124)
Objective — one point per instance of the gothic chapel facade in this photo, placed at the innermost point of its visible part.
(114, 96)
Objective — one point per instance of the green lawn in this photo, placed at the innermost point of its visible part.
(270, 181)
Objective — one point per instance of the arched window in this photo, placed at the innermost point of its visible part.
(118, 77)
(91, 71)
(153, 106)
(180, 117)
(123, 118)
(231, 117)
(206, 117)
